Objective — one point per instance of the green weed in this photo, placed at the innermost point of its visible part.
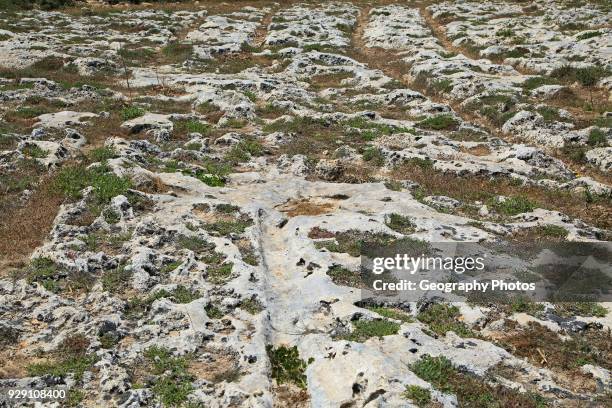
(287, 366)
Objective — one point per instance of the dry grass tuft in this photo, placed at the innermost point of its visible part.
(307, 206)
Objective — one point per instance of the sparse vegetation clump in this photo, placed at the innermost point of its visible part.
(139, 306)
(55, 278)
(400, 223)
(132, 112)
(243, 151)
(440, 122)
(70, 359)
(537, 81)
(344, 277)
(597, 138)
(470, 390)
(585, 309)
(106, 185)
(521, 304)
(365, 329)
(212, 172)
(442, 318)
(392, 314)
(287, 366)
(513, 205)
(35, 152)
(587, 76)
(419, 395)
(177, 52)
(213, 311)
(101, 154)
(374, 156)
(229, 223)
(116, 279)
(192, 126)
(591, 346)
(42, 4)
(442, 85)
(251, 305)
(353, 241)
(173, 382)
(220, 273)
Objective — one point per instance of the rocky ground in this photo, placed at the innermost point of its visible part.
(185, 188)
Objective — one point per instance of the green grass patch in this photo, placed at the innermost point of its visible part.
(435, 370)
(170, 267)
(374, 155)
(420, 396)
(115, 280)
(25, 112)
(219, 274)
(584, 309)
(54, 278)
(227, 208)
(207, 107)
(360, 122)
(233, 123)
(597, 138)
(108, 340)
(400, 223)
(513, 205)
(344, 277)
(195, 146)
(251, 305)
(70, 181)
(138, 306)
(192, 126)
(425, 163)
(549, 113)
(470, 391)
(365, 329)
(296, 125)
(394, 185)
(587, 76)
(177, 52)
(131, 112)
(35, 152)
(71, 358)
(251, 95)
(75, 397)
(505, 33)
(392, 313)
(551, 231)
(522, 304)
(352, 242)
(442, 85)
(213, 311)
(243, 151)
(439, 122)
(214, 173)
(537, 81)
(111, 216)
(174, 382)
(287, 366)
(101, 154)
(442, 318)
(589, 34)
(180, 294)
(227, 227)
